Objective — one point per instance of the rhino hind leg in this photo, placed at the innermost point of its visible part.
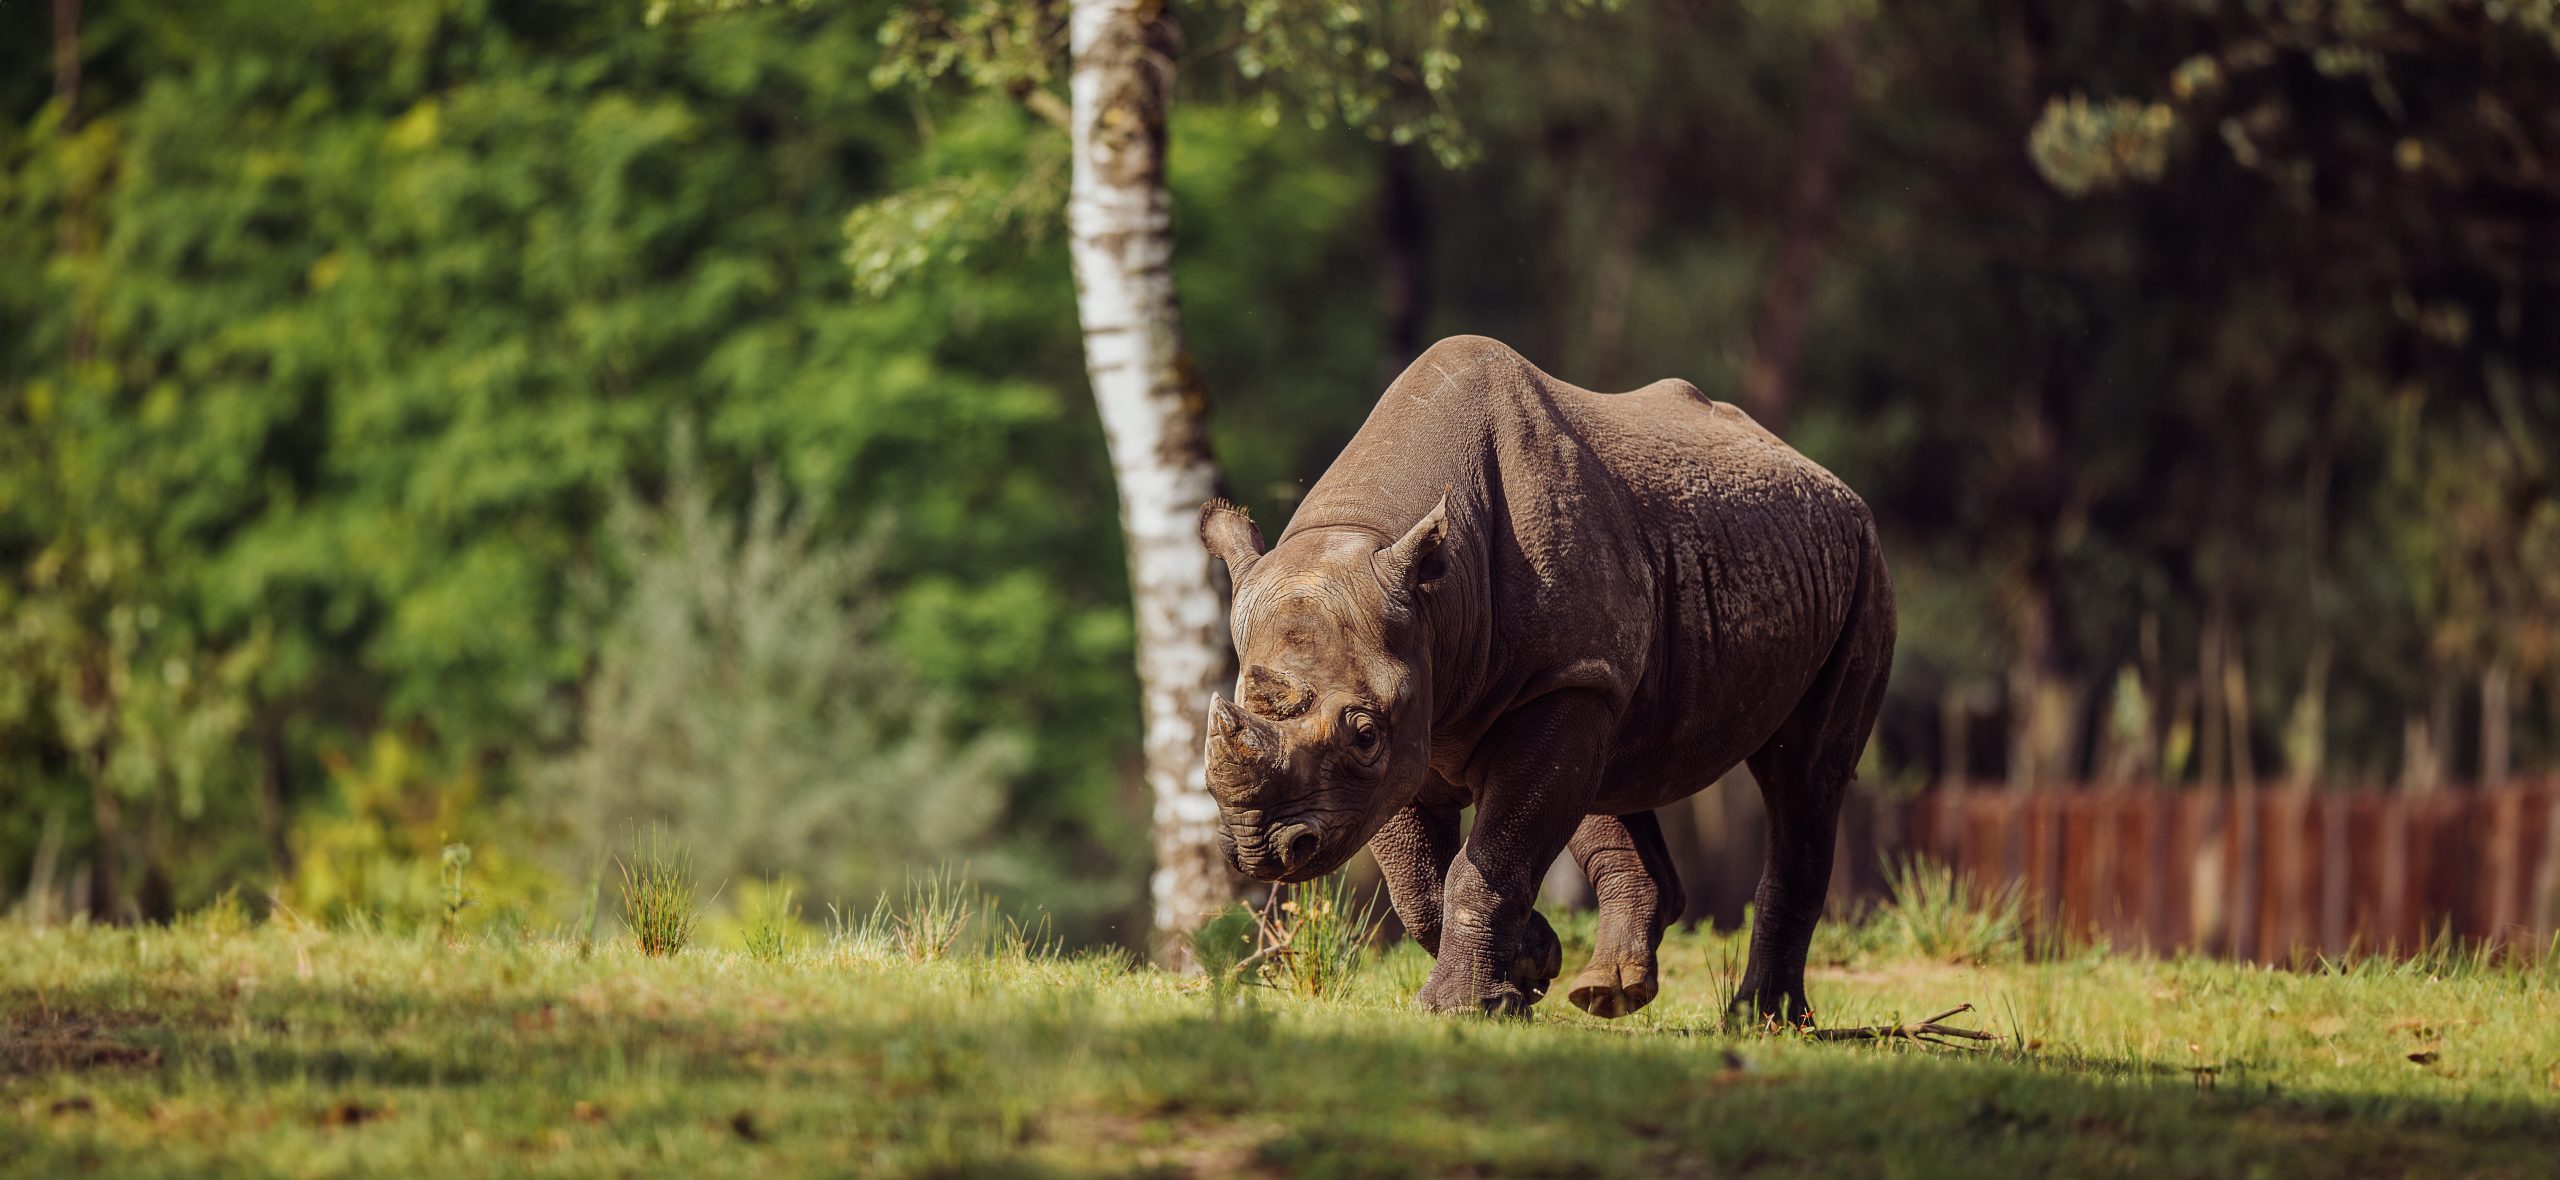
(1804, 772)
(1639, 898)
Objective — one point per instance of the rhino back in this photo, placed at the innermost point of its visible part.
(1656, 539)
(1756, 558)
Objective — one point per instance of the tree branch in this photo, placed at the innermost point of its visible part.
(1048, 106)
(1926, 1032)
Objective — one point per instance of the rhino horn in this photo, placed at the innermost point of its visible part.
(1225, 720)
(1246, 737)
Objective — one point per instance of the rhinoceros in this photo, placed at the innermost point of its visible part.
(1565, 609)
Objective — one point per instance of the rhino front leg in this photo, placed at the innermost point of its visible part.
(1414, 850)
(1639, 898)
(1497, 953)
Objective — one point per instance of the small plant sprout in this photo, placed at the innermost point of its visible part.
(587, 916)
(657, 896)
(1223, 944)
(453, 871)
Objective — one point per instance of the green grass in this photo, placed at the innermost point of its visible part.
(223, 1048)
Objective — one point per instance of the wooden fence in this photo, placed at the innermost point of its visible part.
(2271, 875)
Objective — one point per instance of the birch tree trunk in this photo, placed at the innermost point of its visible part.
(1155, 417)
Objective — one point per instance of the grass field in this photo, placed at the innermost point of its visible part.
(214, 1048)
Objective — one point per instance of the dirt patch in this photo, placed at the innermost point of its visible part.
(68, 1042)
(1180, 1145)
(348, 1112)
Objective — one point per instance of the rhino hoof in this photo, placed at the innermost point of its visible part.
(1540, 957)
(1612, 990)
(1449, 994)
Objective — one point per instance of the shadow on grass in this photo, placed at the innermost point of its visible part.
(1342, 1091)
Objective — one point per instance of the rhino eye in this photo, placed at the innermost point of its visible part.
(1363, 730)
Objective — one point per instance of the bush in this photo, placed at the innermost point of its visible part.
(403, 843)
(741, 698)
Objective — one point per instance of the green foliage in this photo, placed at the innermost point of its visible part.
(375, 319)
(1387, 70)
(2192, 391)
(658, 903)
(1010, 47)
(391, 846)
(2083, 146)
(900, 235)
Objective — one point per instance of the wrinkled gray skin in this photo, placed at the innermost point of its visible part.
(1565, 609)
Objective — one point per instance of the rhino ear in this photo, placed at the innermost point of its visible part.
(1228, 532)
(1415, 560)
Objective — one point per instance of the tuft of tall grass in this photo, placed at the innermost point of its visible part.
(1326, 927)
(943, 914)
(1725, 965)
(658, 896)
(857, 934)
(938, 909)
(774, 931)
(1022, 941)
(1933, 913)
(1312, 940)
(224, 916)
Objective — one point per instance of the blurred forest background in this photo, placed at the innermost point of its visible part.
(507, 422)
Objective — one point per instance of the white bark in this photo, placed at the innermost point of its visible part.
(1120, 234)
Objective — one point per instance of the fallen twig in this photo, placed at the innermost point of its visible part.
(1262, 916)
(1926, 1032)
